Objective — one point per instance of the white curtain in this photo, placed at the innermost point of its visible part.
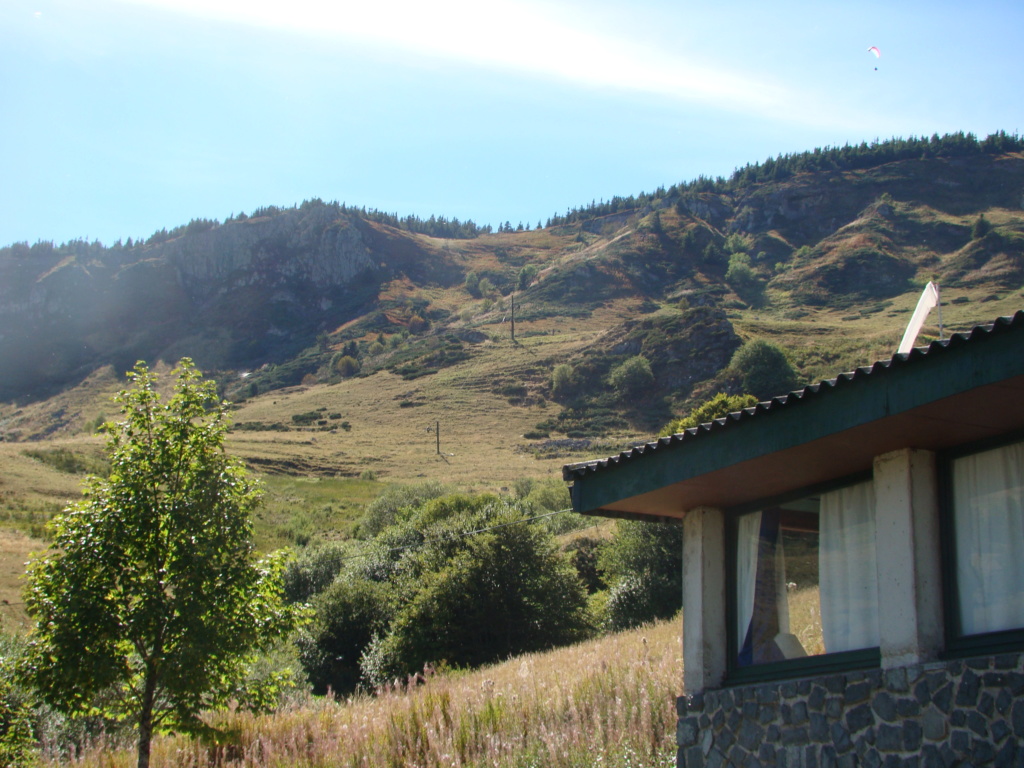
(989, 524)
(847, 574)
(751, 547)
(747, 538)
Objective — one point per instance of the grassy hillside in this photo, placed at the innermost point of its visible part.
(607, 702)
(826, 260)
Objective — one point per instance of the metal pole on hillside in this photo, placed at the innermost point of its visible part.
(436, 429)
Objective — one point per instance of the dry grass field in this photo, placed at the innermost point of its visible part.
(607, 702)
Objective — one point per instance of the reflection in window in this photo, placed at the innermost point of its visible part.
(988, 514)
(806, 582)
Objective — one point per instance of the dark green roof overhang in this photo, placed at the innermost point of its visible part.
(966, 388)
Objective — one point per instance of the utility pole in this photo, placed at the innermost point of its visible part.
(513, 301)
(436, 429)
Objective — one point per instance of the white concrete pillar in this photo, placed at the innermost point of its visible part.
(704, 644)
(908, 557)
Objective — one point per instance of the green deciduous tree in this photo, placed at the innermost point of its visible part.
(151, 602)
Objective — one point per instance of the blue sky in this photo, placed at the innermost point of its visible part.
(120, 117)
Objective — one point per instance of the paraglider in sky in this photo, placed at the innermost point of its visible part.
(878, 54)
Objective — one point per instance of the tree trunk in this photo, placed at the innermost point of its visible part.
(146, 720)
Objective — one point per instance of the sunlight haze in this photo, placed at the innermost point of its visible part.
(133, 115)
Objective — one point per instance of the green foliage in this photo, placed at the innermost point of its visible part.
(501, 592)
(562, 381)
(631, 377)
(385, 509)
(526, 276)
(763, 368)
(584, 553)
(151, 602)
(71, 462)
(345, 365)
(743, 280)
(980, 228)
(17, 741)
(348, 615)
(634, 600)
(644, 565)
(312, 572)
(718, 406)
(457, 578)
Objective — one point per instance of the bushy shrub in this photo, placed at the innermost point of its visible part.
(502, 592)
(631, 377)
(764, 368)
(562, 381)
(312, 572)
(345, 365)
(348, 615)
(718, 406)
(17, 742)
(583, 554)
(650, 557)
(384, 510)
(633, 601)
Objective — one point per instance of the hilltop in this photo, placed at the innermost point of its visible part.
(344, 335)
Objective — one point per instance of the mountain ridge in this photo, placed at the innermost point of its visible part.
(681, 277)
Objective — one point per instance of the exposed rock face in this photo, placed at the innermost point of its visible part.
(238, 291)
(318, 248)
(684, 349)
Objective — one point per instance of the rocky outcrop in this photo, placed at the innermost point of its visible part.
(236, 292)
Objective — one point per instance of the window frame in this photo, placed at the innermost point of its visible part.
(958, 644)
(841, 661)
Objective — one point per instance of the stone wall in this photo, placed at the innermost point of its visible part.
(938, 715)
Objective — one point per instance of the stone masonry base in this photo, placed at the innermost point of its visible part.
(967, 712)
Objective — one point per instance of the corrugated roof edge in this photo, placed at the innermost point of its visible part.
(1001, 324)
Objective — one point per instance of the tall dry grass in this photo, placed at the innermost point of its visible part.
(607, 702)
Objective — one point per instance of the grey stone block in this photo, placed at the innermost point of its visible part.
(977, 723)
(943, 698)
(912, 735)
(1004, 701)
(795, 736)
(1000, 730)
(1010, 755)
(889, 738)
(819, 728)
(687, 731)
(840, 738)
(908, 708)
(967, 691)
(934, 725)
(799, 713)
(884, 706)
(750, 735)
(859, 718)
(896, 680)
(856, 693)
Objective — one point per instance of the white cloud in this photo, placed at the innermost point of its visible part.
(541, 41)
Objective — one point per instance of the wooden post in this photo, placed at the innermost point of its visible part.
(437, 434)
(513, 298)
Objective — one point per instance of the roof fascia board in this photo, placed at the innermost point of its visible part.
(887, 390)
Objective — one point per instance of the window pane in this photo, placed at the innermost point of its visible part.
(806, 582)
(988, 514)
